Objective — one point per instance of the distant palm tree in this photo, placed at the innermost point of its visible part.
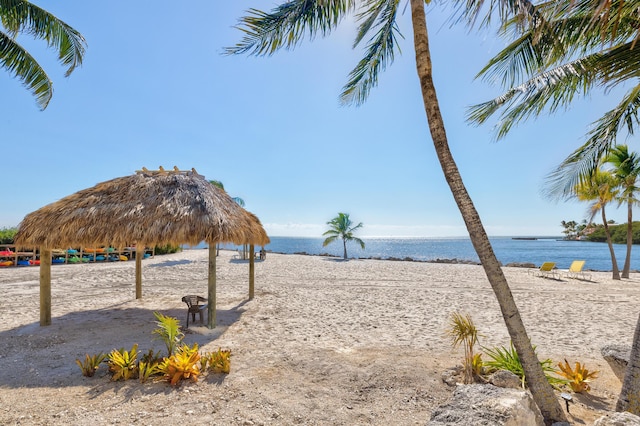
(20, 16)
(600, 189)
(341, 227)
(219, 184)
(626, 168)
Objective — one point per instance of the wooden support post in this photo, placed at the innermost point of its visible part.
(45, 286)
(252, 263)
(139, 256)
(211, 292)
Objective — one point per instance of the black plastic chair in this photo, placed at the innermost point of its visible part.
(194, 307)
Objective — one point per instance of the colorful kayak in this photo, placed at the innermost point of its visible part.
(6, 263)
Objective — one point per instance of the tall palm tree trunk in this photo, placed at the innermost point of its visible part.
(614, 262)
(627, 259)
(541, 390)
(344, 243)
(629, 399)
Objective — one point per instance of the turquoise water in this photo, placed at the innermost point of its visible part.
(507, 250)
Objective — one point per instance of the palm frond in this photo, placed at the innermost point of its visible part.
(481, 12)
(24, 67)
(547, 91)
(574, 170)
(624, 115)
(287, 25)
(23, 17)
(380, 16)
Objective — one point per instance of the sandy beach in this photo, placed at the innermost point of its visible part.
(324, 342)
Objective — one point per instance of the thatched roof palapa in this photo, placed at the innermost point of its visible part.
(150, 207)
(146, 209)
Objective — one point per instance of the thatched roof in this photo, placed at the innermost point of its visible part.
(150, 208)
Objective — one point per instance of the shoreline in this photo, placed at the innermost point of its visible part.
(324, 341)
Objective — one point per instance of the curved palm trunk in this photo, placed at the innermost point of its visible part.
(614, 263)
(540, 388)
(627, 259)
(344, 243)
(629, 399)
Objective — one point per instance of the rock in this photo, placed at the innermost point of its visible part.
(618, 358)
(505, 379)
(618, 419)
(521, 265)
(487, 405)
(452, 376)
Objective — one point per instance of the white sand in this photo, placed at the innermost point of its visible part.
(324, 342)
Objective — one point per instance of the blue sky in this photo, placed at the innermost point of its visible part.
(156, 90)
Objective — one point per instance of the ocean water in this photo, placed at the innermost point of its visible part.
(507, 249)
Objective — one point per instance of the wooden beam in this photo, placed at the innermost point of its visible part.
(45, 286)
(252, 269)
(211, 292)
(139, 256)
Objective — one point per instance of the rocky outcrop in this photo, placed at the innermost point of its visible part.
(505, 379)
(618, 419)
(487, 405)
(618, 358)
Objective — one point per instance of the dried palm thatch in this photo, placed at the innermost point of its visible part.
(150, 208)
(146, 209)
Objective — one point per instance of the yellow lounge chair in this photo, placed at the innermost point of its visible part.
(575, 271)
(547, 270)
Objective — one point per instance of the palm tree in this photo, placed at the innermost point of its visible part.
(571, 49)
(285, 27)
(600, 189)
(22, 17)
(220, 185)
(626, 167)
(342, 228)
(629, 399)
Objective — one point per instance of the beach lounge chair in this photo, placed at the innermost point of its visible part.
(547, 270)
(194, 307)
(575, 271)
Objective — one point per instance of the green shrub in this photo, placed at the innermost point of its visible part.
(167, 249)
(7, 235)
(508, 359)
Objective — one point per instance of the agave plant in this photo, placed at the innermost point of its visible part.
(90, 364)
(184, 364)
(579, 377)
(124, 364)
(217, 362)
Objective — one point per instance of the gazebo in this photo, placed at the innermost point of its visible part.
(145, 209)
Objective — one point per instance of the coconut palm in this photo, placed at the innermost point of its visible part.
(22, 17)
(342, 228)
(626, 167)
(290, 22)
(573, 48)
(600, 190)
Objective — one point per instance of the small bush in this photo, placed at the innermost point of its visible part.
(216, 362)
(7, 235)
(185, 364)
(508, 359)
(124, 364)
(90, 364)
(167, 249)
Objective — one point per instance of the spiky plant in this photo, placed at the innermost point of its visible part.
(168, 331)
(464, 332)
